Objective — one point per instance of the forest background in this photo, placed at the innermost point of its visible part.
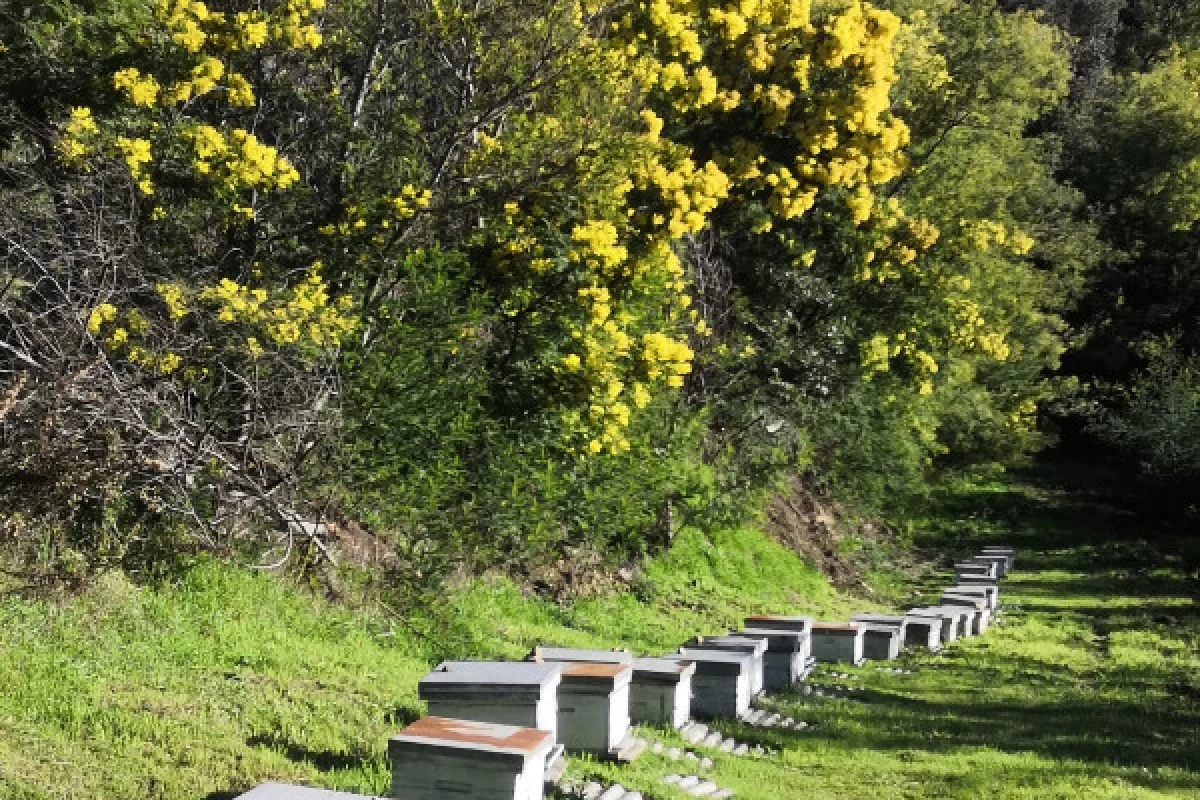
(494, 285)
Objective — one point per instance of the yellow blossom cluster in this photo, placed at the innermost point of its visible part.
(125, 334)
(239, 160)
(141, 90)
(982, 234)
(136, 153)
(877, 353)
(191, 25)
(78, 133)
(969, 331)
(303, 315)
(825, 86)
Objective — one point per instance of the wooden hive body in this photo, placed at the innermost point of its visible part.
(721, 684)
(788, 656)
(437, 758)
(593, 706)
(881, 642)
(838, 642)
(507, 693)
(756, 647)
(661, 693)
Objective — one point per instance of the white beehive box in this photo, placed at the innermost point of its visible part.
(1001, 562)
(721, 684)
(881, 642)
(661, 693)
(1008, 552)
(593, 707)
(787, 658)
(983, 615)
(897, 623)
(975, 570)
(950, 621)
(961, 616)
(507, 693)
(786, 623)
(838, 642)
(437, 758)
(755, 646)
(987, 592)
(286, 791)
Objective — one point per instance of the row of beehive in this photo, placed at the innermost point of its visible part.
(497, 730)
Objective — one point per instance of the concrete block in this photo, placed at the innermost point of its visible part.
(755, 646)
(721, 685)
(881, 642)
(435, 758)
(838, 642)
(661, 692)
(507, 693)
(286, 791)
(593, 706)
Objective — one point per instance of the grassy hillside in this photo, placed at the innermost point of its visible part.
(227, 678)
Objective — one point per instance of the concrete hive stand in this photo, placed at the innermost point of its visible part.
(507, 693)
(915, 630)
(593, 708)
(983, 615)
(788, 658)
(286, 791)
(721, 685)
(881, 642)
(661, 693)
(435, 758)
(754, 646)
(838, 642)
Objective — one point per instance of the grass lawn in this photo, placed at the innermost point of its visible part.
(1089, 689)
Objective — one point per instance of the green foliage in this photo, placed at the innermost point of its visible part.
(1154, 419)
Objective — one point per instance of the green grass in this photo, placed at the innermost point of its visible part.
(1090, 688)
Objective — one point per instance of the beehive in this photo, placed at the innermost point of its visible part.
(435, 758)
(788, 658)
(838, 642)
(974, 570)
(990, 594)
(881, 642)
(593, 707)
(721, 684)
(508, 693)
(1001, 562)
(661, 693)
(900, 625)
(951, 621)
(982, 614)
(754, 646)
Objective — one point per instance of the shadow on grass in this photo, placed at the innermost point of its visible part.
(321, 760)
